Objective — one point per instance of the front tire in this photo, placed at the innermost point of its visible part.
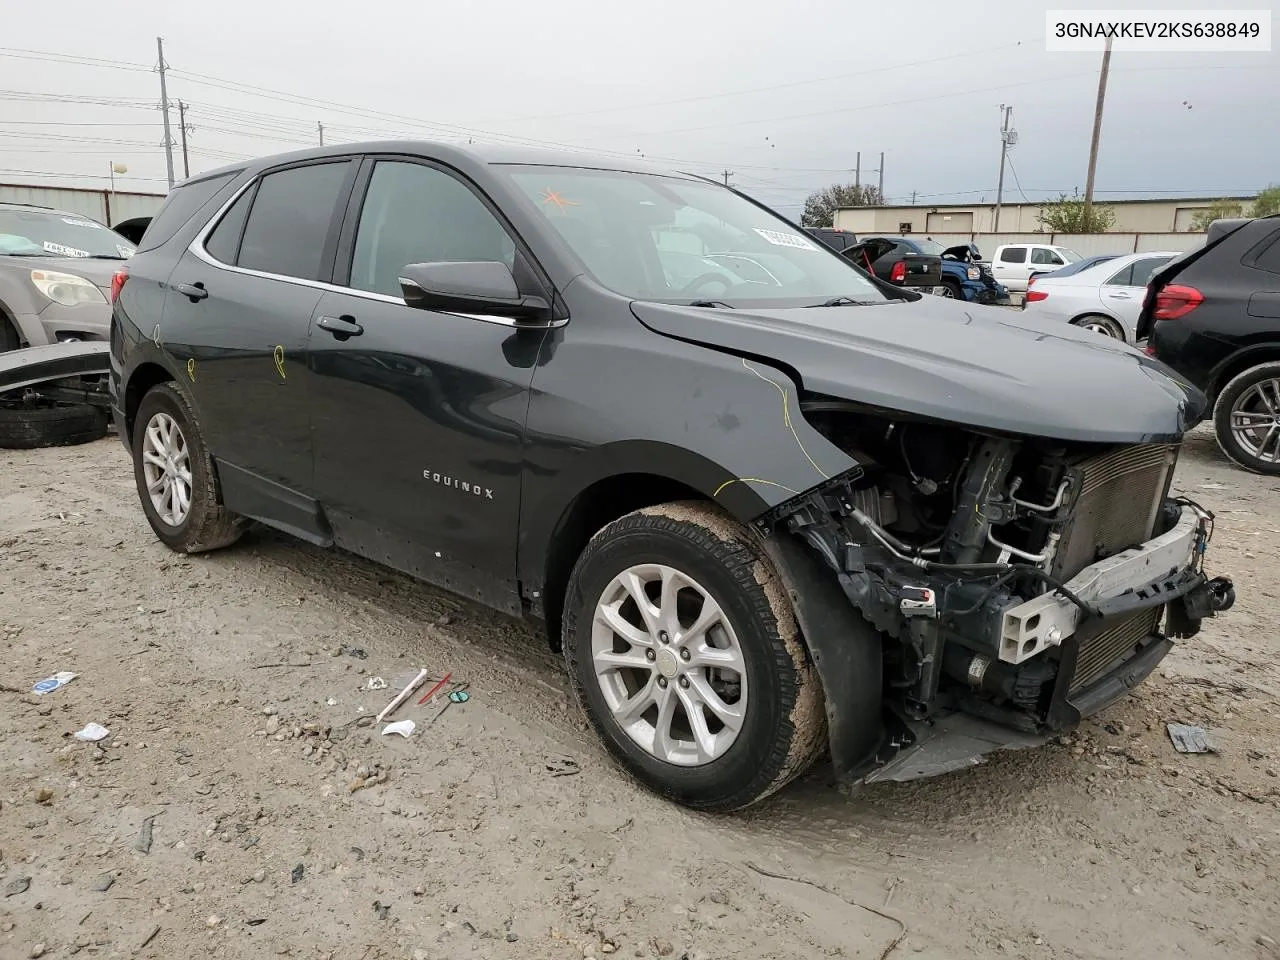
(684, 651)
(175, 476)
(950, 291)
(1246, 419)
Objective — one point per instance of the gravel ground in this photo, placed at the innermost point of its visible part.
(241, 809)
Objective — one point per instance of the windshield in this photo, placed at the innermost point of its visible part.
(1068, 254)
(673, 240)
(44, 233)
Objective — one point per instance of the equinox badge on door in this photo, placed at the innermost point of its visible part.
(447, 481)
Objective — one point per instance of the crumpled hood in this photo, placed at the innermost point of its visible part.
(984, 367)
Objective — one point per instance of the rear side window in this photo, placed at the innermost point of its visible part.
(1124, 278)
(181, 205)
(1013, 255)
(289, 224)
(1269, 259)
(224, 243)
(1047, 257)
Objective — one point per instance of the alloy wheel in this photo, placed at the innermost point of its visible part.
(166, 468)
(1100, 326)
(669, 665)
(1255, 420)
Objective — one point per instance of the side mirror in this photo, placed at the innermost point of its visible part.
(483, 286)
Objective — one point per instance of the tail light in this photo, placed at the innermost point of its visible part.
(117, 283)
(1176, 301)
(1035, 296)
(899, 272)
(1149, 349)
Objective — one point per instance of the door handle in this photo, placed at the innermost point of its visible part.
(1119, 296)
(193, 291)
(341, 327)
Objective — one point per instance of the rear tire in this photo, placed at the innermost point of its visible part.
(186, 511)
(27, 428)
(1099, 324)
(1251, 400)
(621, 660)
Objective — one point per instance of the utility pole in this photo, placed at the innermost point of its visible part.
(1007, 139)
(182, 131)
(913, 198)
(727, 174)
(320, 128)
(881, 171)
(857, 170)
(164, 110)
(1097, 131)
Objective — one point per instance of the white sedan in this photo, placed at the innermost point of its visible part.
(1105, 298)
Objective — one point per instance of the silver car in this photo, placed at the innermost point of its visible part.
(55, 276)
(1105, 298)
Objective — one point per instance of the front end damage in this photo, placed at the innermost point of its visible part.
(964, 592)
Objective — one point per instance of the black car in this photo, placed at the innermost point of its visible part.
(1213, 315)
(838, 240)
(767, 506)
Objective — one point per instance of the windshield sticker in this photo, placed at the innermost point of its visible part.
(550, 196)
(780, 239)
(124, 251)
(59, 249)
(82, 223)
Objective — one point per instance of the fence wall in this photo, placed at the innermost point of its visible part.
(1085, 244)
(101, 205)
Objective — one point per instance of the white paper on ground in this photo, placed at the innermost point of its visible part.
(402, 727)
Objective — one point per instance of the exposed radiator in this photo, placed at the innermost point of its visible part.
(1100, 652)
(1120, 497)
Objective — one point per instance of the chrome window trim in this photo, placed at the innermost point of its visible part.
(197, 249)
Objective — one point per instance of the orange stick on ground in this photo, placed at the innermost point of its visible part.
(436, 689)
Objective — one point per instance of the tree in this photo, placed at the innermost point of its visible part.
(1067, 215)
(1217, 211)
(820, 207)
(1268, 201)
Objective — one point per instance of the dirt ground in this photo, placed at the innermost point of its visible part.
(234, 685)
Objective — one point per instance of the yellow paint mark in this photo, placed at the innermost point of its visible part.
(278, 354)
(786, 417)
(155, 336)
(767, 483)
(191, 369)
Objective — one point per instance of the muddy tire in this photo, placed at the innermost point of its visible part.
(707, 695)
(175, 476)
(26, 428)
(1246, 419)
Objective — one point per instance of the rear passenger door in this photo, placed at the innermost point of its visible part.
(236, 319)
(1011, 268)
(418, 415)
(1122, 293)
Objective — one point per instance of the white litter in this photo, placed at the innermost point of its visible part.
(92, 733)
(376, 683)
(402, 727)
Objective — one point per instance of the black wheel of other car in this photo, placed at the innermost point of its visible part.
(684, 651)
(176, 480)
(1246, 419)
(950, 290)
(9, 339)
(26, 428)
(1100, 324)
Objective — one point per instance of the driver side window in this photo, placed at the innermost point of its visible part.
(414, 213)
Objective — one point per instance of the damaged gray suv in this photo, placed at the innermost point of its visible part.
(768, 506)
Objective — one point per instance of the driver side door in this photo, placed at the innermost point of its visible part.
(417, 415)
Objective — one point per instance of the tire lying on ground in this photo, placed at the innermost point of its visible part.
(684, 650)
(26, 428)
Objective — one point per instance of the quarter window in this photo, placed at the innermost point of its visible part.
(224, 243)
(414, 213)
(289, 223)
(1013, 255)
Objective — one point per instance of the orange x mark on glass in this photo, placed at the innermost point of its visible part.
(550, 196)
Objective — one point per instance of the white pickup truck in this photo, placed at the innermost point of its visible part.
(1013, 263)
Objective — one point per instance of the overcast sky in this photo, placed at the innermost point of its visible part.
(784, 95)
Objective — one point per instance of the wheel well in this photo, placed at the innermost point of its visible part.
(7, 320)
(597, 505)
(144, 378)
(1124, 332)
(1238, 365)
